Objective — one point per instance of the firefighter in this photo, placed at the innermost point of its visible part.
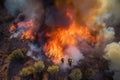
(62, 60)
(70, 61)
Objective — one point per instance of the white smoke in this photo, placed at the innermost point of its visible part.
(109, 34)
(106, 31)
(74, 53)
(34, 49)
(15, 34)
(112, 51)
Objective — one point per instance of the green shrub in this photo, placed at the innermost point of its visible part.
(53, 69)
(39, 66)
(89, 73)
(16, 55)
(27, 71)
(75, 74)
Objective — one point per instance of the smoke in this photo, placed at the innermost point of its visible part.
(85, 11)
(74, 53)
(91, 13)
(32, 9)
(109, 34)
(15, 5)
(17, 34)
(114, 8)
(34, 49)
(112, 12)
(112, 51)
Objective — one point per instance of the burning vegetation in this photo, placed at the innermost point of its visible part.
(26, 27)
(61, 38)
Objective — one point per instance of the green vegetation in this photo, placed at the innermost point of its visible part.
(16, 55)
(75, 74)
(27, 71)
(39, 66)
(89, 73)
(53, 69)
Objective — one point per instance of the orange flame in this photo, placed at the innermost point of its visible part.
(12, 28)
(28, 25)
(60, 38)
(65, 37)
(27, 35)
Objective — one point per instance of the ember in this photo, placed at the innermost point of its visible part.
(12, 28)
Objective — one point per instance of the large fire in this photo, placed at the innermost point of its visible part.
(59, 38)
(62, 37)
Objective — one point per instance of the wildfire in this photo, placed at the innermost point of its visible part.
(53, 51)
(12, 28)
(61, 38)
(27, 35)
(27, 26)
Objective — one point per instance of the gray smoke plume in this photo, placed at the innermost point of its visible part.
(112, 50)
(114, 8)
(32, 9)
(113, 12)
(109, 34)
(15, 5)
